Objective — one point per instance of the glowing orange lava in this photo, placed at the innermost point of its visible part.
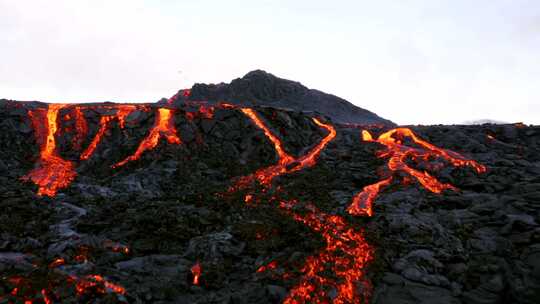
(46, 298)
(81, 128)
(204, 110)
(185, 93)
(103, 126)
(271, 265)
(121, 113)
(399, 153)
(337, 274)
(163, 127)
(363, 201)
(196, 272)
(286, 163)
(53, 173)
(97, 283)
(56, 263)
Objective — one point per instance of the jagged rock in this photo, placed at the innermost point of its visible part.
(487, 293)
(261, 88)
(147, 224)
(214, 246)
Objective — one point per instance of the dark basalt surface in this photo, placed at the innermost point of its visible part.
(478, 245)
(259, 88)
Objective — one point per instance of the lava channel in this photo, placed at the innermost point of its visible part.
(163, 127)
(337, 274)
(53, 172)
(286, 163)
(398, 154)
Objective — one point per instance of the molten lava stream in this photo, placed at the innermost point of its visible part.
(286, 163)
(103, 126)
(164, 126)
(53, 173)
(339, 269)
(122, 111)
(398, 154)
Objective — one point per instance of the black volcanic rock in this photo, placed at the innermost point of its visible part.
(172, 210)
(264, 89)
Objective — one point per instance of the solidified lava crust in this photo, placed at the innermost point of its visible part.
(224, 203)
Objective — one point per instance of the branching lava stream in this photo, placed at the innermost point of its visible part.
(286, 163)
(163, 127)
(399, 153)
(53, 173)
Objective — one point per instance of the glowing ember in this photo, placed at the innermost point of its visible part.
(96, 283)
(53, 173)
(272, 265)
(46, 298)
(339, 268)
(185, 93)
(204, 110)
(25, 288)
(163, 127)
(286, 163)
(399, 154)
(56, 263)
(196, 272)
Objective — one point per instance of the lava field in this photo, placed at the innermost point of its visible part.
(200, 202)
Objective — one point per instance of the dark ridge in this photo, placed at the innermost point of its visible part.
(264, 89)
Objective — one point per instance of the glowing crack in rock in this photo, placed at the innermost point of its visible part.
(286, 163)
(398, 154)
(53, 173)
(163, 127)
(337, 274)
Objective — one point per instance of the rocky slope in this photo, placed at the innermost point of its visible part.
(259, 88)
(179, 224)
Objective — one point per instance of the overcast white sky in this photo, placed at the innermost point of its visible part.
(411, 61)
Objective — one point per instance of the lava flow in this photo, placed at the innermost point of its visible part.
(399, 154)
(53, 172)
(286, 163)
(337, 273)
(122, 112)
(164, 126)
